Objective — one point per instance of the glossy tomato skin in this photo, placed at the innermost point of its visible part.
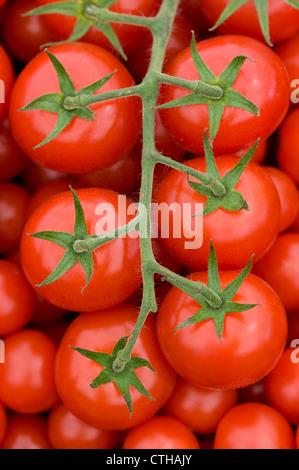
(66, 431)
(104, 407)
(251, 344)
(283, 19)
(15, 310)
(27, 376)
(282, 385)
(13, 161)
(287, 50)
(254, 426)
(200, 409)
(130, 36)
(83, 146)
(288, 195)
(161, 432)
(238, 129)
(236, 235)
(3, 422)
(24, 35)
(14, 201)
(110, 283)
(7, 77)
(279, 268)
(26, 432)
(288, 145)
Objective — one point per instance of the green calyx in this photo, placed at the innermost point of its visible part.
(67, 241)
(216, 303)
(208, 93)
(123, 378)
(68, 104)
(87, 14)
(228, 198)
(262, 7)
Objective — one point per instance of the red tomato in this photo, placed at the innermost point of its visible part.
(193, 11)
(264, 81)
(130, 36)
(66, 431)
(27, 376)
(179, 39)
(26, 432)
(7, 79)
(200, 409)
(287, 50)
(236, 235)
(197, 354)
(36, 176)
(253, 393)
(3, 422)
(279, 267)
(161, 432)
(12, 160)
(104, 407)
(288, 195)
(122, 177)
(24, 35)
(254, 426)
(283, 19)
(282, 385)
(288, 145)
(48, 190)
(83, 146)
(14, 201)
(110, 283)
(293, 327)
(45, 311)
(15, 309)
(260, 153)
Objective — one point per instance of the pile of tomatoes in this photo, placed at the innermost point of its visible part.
(202, 392)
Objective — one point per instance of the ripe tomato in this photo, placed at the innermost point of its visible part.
(104, 407)
(283, 19)
(27, 376)
(12, 160)
(15, 310)
(14, 201)
(3, 422)
(66, 431)
(253, 393)
(36, 176)
(48, 190)
(130, 36)
(24, 35)
(7, 79)
(200, 409)
(179, 39)
(110, 283)
(288, 195)
(83, 146)
(122, 177)
(265, 82)
(282, 385)
(287, 50)
(251, 343)
(280, 269)
(236, 235)
(254, 426)
(161, 432)
(288, 145)
(26, 432)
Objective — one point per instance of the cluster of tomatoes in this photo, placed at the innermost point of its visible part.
(240, 391)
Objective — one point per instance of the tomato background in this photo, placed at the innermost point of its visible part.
(46, 401)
